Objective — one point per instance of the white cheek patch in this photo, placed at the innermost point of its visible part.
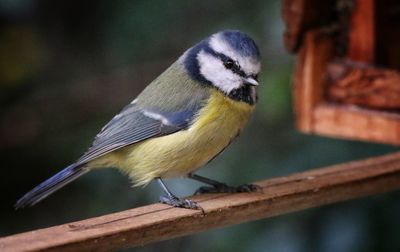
(248, 64)
(214, 70)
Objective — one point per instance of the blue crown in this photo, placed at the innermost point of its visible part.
(242, 43)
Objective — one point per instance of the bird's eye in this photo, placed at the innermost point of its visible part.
(229, 64)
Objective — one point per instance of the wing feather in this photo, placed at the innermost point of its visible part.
(133, 125)
(159, 113)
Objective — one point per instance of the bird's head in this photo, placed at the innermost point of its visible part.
(228, 60)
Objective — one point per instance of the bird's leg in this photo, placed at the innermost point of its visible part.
(172, 200)
(219, 187)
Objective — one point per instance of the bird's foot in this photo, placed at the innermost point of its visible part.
(178, 202)
(224, 188)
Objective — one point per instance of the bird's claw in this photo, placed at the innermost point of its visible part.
(178, 202)
(249, 188)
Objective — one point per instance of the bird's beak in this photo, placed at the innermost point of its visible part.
(250, 81)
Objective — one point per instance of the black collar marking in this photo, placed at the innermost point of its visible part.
(244, 94)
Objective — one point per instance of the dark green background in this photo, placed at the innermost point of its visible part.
(66, 67)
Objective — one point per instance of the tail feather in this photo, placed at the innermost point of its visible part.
(51, 185)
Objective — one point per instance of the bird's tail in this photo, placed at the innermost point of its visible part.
(51, 185)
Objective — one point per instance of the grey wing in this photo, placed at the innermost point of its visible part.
(135, 124)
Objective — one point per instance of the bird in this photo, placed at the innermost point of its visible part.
(181, 121)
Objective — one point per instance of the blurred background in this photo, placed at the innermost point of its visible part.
(66, 67)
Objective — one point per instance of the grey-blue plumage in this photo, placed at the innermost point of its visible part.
(51, 185)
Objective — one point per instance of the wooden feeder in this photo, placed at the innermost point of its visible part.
(347, 79)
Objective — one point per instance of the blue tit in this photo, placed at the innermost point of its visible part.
(178, 123)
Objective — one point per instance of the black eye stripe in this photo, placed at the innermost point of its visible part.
(235, 68)
(229, 64)
(238, 71)
(232, 65)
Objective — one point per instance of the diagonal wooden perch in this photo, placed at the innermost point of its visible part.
(158, 222)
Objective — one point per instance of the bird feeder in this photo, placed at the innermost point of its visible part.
(347, 74)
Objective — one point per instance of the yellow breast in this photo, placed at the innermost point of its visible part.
(185, 151)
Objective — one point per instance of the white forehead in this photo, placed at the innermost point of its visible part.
(248, 64)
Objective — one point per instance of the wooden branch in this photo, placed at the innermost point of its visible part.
(157, 222)
(364, 85)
